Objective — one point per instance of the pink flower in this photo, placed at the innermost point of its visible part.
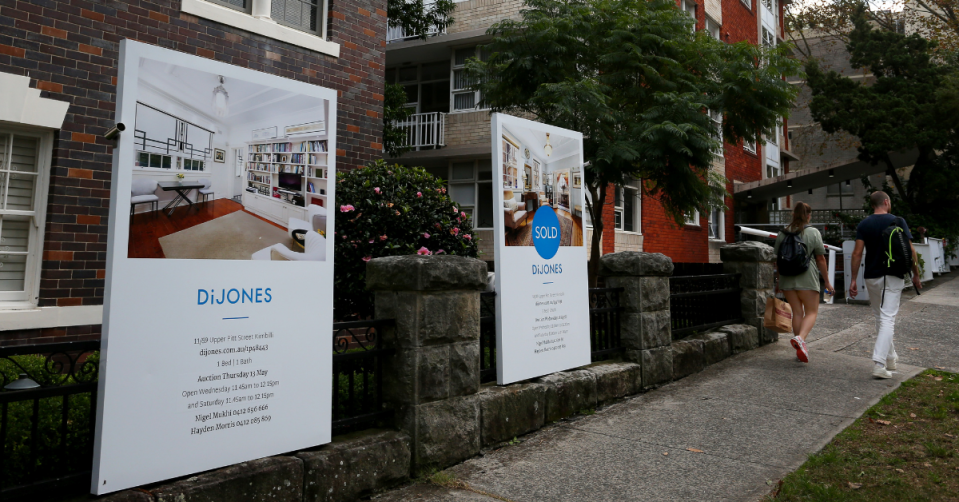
(367, 258)
(382, 237)
(347, 208)
(419, 194)
(440, 251)
(437, 225)
(468, 237)
(377, 190)
(463, 214)
(423, 251)
(371, 241)
(426, 235)
(455, 210)
(455, 231)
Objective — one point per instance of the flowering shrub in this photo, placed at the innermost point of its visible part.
(387, 210)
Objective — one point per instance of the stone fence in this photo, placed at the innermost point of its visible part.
(443, 414)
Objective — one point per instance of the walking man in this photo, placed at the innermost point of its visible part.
(884, 290)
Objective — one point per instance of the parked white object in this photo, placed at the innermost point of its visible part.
(847, 249)
(924, 251)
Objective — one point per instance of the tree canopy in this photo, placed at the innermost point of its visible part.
(909, 103)
(637, 80)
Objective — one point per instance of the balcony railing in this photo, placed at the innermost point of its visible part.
(423, 130)
(398, 34)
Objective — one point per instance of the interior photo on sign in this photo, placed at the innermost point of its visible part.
(227, 169)
(541, 172)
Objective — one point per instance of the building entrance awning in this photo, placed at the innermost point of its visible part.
(801, 181)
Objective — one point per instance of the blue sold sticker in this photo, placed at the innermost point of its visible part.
(546, 232)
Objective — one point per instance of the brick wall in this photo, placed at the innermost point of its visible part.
(480, 14)
(469, 128)
(69, 48)
(686, 244)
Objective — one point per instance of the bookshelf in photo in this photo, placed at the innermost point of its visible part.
(273, 164)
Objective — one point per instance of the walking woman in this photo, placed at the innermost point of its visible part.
(802, 289)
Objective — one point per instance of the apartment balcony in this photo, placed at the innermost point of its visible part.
(423, 130)
(396, 34)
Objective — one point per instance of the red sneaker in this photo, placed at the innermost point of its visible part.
(802, 353)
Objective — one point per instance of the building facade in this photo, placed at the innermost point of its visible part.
(58, 81)
(449, 133)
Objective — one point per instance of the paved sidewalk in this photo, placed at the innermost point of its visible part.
(727, 433)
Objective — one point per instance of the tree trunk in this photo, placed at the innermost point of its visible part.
(898, 182)
(595, 207)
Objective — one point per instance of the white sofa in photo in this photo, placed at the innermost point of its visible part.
(315, 250)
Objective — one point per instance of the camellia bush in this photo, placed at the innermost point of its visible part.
(388, 210)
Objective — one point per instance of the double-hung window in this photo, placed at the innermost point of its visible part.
(717, 118)
(717, 230)
(164, 141)
(463, 99)
(626, 209)
(713, 28)
(303, 15)
(470, 184)
(692, 219)
(297, 22)
(24, 178)
(689, 7)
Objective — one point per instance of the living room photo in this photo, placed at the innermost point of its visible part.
(541, 171)
(227, 169)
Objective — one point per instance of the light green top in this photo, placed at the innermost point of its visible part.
(808, 280)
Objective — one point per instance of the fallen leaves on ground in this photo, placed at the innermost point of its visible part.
(855, 486)
(694, 450)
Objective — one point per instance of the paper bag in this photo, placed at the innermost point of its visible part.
(779, 316)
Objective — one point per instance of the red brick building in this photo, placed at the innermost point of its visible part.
(58, 80)
(450, 133)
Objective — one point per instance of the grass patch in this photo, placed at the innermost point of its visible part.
(905, 448)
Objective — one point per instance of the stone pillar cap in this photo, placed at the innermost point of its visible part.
(425, 273)
(747, 251)
(635, 263)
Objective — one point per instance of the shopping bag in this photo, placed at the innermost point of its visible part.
(779, 316)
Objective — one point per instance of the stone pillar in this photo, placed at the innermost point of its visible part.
(431, 380)
(754, 260)
(646, 333)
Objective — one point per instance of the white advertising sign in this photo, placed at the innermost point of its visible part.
(542, 296)
(218, 305)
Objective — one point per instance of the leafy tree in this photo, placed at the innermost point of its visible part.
(418, 17)
(388, 210)
(910, 106)
(394, 110)
(636, 80)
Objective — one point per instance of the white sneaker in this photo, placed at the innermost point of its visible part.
(880, 372)
(891, 363)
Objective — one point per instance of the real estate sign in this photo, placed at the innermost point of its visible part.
(219, 276)
(542, 300)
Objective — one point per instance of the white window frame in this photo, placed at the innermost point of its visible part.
(259, 21)
(748, 4)
(689, 7)
(694, 220)
(455, 91)
(720, 234)
(475, 182)
(750, 147)
(29, 297)
(717, 118)
(419, 82)
(619, 209)
(177, 155)
(713, 28)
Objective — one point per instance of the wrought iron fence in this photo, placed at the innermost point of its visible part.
(487, 337)
(701, 302)
(605, 319)
(358, 357)
(47, 417)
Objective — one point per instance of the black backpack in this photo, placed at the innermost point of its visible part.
(793, 258)
(897, 253)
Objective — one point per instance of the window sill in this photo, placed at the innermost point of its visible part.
(267, 28)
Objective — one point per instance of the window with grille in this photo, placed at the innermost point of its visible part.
(240, 5)
(165, 141)
(22, 183)
(463, 98)
(303, 15)
(470, 184)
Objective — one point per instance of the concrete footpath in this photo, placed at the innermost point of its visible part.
(728, 433)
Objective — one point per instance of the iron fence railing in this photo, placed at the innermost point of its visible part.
(605, 323)
(701, 302)
(487, 337)
(358, 358)
(47, 417)
(605, 328)
(423, 130)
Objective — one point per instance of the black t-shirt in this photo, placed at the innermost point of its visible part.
(870, 231)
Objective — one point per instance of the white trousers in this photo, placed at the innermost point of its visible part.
(884, 294)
